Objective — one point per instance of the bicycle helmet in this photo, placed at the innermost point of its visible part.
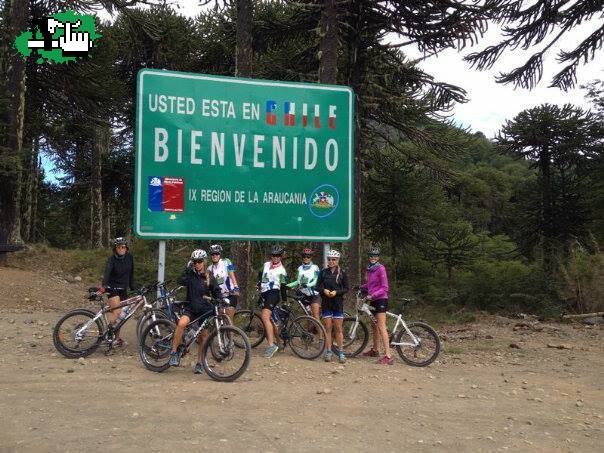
(307, 252)
(199, 255)
(373, 251)
(333, 254)
(120, 241)
(277, 250)
(215, 249)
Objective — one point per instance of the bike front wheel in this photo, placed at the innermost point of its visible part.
(78, 334)
(307, 337)
(156, 345)
(226, 354)
(356, 336)
(251, 324)
(419, 349)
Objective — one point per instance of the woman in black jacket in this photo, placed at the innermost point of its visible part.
(201, 289)
(117, 278)
(332, 285)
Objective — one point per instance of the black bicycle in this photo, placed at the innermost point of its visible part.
(81, 331)
(226, 352)
(304, 334)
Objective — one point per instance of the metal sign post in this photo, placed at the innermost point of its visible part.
(161, 263)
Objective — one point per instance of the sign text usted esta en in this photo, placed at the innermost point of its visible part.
(228, 158)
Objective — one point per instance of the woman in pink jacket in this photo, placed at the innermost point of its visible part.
(377, 290)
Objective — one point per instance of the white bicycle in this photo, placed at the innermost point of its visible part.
(417, 343)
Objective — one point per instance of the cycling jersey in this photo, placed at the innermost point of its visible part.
(220, 271)
(272, 277)
(307, 276)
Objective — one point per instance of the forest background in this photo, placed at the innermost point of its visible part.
(510, 224)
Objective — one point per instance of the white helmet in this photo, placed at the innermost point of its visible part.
(198, 255)
(333, 254)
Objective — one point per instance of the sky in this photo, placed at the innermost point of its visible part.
(489, 103)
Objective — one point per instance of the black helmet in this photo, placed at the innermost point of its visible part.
(373, 251)
(119, 241)
(216, 248)
(277, 250)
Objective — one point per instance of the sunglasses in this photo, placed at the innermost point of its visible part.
(214, 254)
(332, 259)
(306, 256)
(198, 261)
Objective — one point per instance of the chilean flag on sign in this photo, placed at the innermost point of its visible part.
(166, 194)
(271, 118)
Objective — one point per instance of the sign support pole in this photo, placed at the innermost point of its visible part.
(325, 251)
(161, 263)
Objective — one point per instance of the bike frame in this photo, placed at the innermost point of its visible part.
(138, 300)
(219, 310)
(363, 308)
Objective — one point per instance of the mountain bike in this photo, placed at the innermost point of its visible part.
(417, 343)
(81, 331)
(226, 353)
(304, 334)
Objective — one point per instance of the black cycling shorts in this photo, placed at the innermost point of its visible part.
(194, 315)
(269, 299)
(233, 300)
(379, 305)
(122, 293)
(332, 307)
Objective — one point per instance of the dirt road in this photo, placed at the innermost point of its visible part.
(481, 395)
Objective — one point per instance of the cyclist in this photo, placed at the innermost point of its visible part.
(332, 285)
(377, 292)
(306, 281)
(201, 288)
(271, 283)
(117, 278)
(223, 271)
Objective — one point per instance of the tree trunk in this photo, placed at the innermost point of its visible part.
(240, 250)
(31, 181)
(33, 235)
(328, 64)
(11, 124)
(100, 148)
(547, 216)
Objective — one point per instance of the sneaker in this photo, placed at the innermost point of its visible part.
(198, 368)
(270, 351)
(386, 360)
(174, 359)
(371, 353)
(328, 356)
(341, 357)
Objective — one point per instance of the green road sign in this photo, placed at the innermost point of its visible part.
(227, 158)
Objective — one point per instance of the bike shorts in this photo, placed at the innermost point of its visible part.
(332, 308)
(194, 315)
(233, 300)
(379, 306)
(269, 299)
(121, 293)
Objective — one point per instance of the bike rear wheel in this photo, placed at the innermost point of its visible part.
(226, 354)
(156, 345)
(423, 353)
(147, 318)
(72, 339)
(356, 336)
(251, 324)
(307, 337)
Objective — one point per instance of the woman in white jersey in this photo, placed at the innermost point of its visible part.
(271, 282)
(306, 281)
(223, 271)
